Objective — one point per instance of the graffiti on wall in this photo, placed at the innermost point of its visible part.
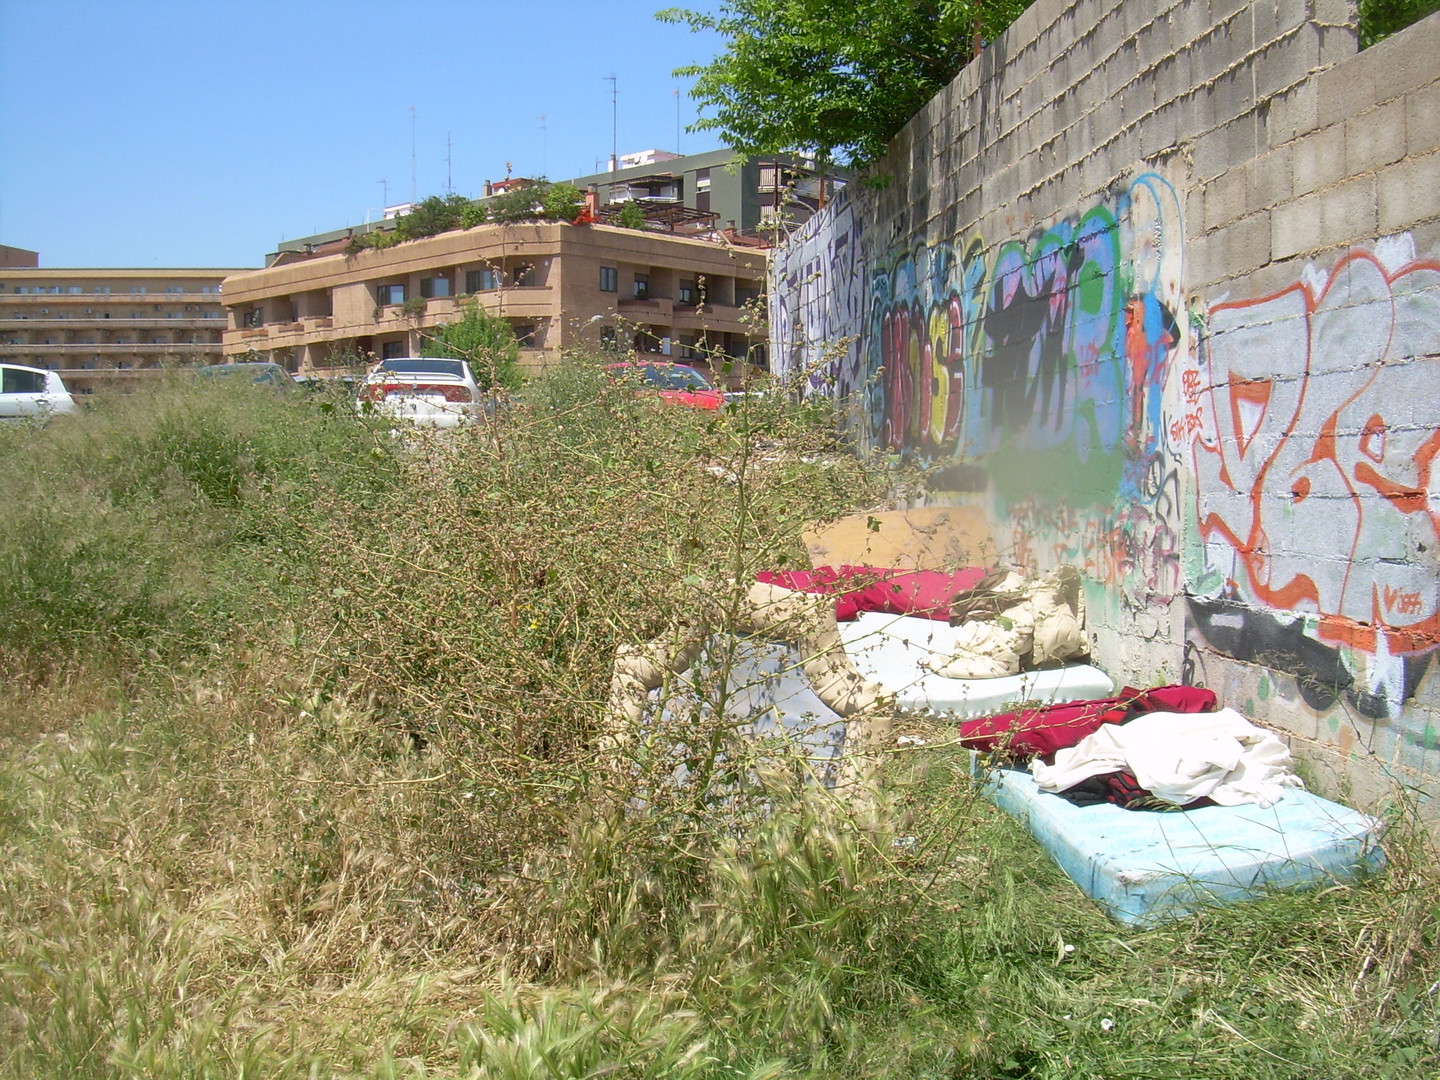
(819, 286)
(1310, 415)
(1048, 360)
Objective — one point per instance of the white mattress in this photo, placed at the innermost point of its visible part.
(888, 649)
(768, 693)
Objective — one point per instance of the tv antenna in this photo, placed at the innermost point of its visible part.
(449, 187)
(384, 195)
(614, 123)
(676, 92)
(412, 153)
(542, 144)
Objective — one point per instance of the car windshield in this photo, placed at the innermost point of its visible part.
(424, 367)
(674, 378)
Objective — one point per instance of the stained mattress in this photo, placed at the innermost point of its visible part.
(889, 648)
(768, 690)
(1146, 867)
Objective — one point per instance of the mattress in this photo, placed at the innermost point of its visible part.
(1145, 867)
(889, 648)
(767, 691)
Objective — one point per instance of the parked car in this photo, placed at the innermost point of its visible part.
(259, 372)
(32, 393)
(330, 385)
(677, 384)
(422, 390)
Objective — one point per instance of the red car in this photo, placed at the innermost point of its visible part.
(679, 384)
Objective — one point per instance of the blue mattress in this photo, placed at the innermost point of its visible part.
(1145, 868)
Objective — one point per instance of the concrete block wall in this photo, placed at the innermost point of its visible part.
(1162, 276)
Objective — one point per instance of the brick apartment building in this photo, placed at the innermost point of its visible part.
(111, 325)
(558, 285)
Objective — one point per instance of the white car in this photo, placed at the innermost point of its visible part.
(422, 390)
(32, 393)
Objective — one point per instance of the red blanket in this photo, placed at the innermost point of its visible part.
(926, 593)
(1049, 728)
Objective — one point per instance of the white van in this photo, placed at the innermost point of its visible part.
(32, 393)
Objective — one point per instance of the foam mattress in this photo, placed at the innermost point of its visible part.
(889, 648)
(1144, 867)
(767, 688)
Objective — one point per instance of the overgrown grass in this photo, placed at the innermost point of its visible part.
(321, 796)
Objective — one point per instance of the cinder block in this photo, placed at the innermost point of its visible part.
(1409, 193)
(1331, 12)
(1273, 18)
(1159, 131)
(1189, 21)
(1338, 44)
(1422, 120)
(1318, 159)
(1247, 243)
(1375, 138)
(1292, 113)
(1232, 94)
(1105, 122)
(1346, 90)
(1268, 179)
(1150, 42)
(1295, 227)
(1348, 213)
(1121, 68)
(1282, 63)
(1226, 198)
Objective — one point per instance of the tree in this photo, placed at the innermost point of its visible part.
(561, 202)
(519, 204)
(486, 342)
(1381, 18)
(432, 216)
(630, 217)
(827, 78)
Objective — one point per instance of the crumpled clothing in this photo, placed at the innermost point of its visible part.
(1044, 729)
(1027, 624)
(1180, 757)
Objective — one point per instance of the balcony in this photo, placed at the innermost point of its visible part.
(91, 323)
(653, 307)
(127, 348)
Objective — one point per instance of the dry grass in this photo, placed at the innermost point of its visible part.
(334, 809)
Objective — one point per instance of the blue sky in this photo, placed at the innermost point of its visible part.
(202, 132)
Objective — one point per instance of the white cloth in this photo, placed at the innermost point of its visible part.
(1180, 757)
(1043, 622)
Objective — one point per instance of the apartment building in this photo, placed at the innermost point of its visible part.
(558, 285)
(110, 326)
(717, 191)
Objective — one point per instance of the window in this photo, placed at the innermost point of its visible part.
(525, 334)
(391, 294)
(686, 292)
(744, 295)
(18, 381)
(607, 336)
(254, 317)
(434, 286)
(137, 288)
(642, 286)
(487, 280)
(609, 279)
(702, 179)
(75, 289)
(524, 275)
(389, 350)
(103, 289)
